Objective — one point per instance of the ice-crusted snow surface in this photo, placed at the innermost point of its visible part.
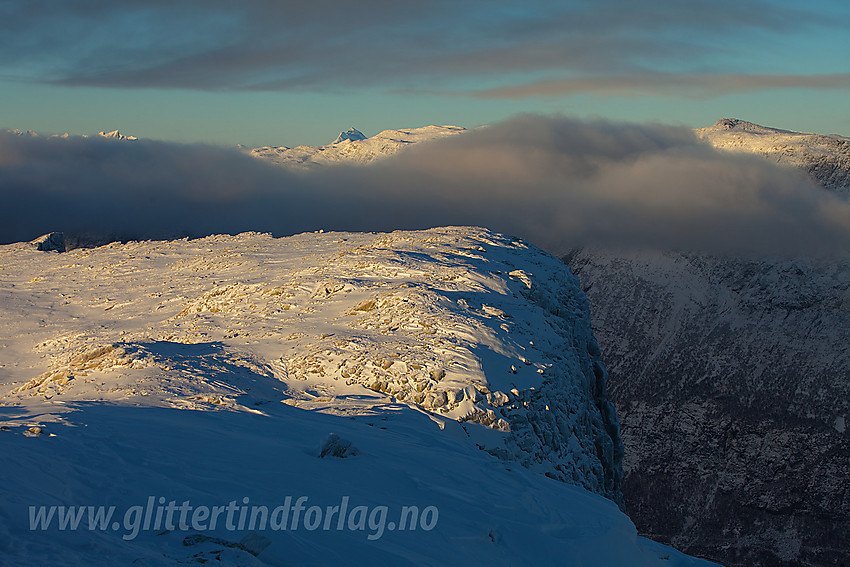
(353, 147)
(825, 158)
(224, 368)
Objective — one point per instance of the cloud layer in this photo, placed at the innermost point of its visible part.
(665, 85)
(274, 45)
(558, 182)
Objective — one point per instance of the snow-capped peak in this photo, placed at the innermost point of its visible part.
(738, 125)
(824, 158)
(116, 134)
(352, 135)
(357, 150)
(18, 132)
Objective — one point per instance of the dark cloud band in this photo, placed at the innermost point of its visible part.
(559, 182)
(273, 45)
(665, 84)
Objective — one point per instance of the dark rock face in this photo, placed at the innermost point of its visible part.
(731, 381)
(50, 242)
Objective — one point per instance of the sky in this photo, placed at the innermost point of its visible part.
(588, 105)
(269, 72)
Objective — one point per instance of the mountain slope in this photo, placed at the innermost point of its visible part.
(744, 363)
(353, 147)
(367, 367)
(730, 380)
(825, 158)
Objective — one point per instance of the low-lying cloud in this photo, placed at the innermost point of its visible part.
(557, 182)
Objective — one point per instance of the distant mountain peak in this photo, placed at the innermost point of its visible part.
(366, 150)
(824, 158)
(16, 132)
(731, 123)
(352, 135)
(744, 126)
(116, 134)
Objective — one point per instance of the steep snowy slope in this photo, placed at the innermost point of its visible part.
(353, 147)
(825, 158)
(363, 368)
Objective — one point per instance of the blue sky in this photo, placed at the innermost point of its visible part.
(270, 72)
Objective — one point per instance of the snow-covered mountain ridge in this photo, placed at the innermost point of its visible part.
(114, 134)
(353, 147)
(824, 158)
(418, 348)
(451, 322)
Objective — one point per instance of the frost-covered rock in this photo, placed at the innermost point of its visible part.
(336, 446)
(350, 135)
(50, 242)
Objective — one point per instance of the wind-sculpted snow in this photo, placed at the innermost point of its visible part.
(456, 350)
(461, 322)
